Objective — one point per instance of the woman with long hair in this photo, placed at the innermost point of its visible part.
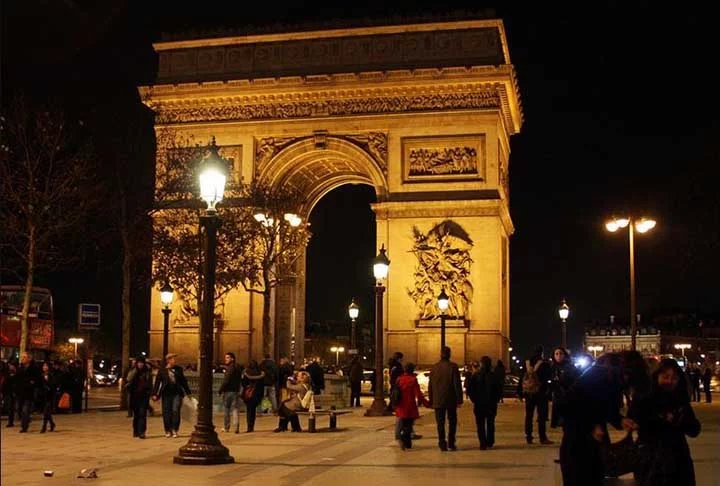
(664, 418)
(252, 385)
(140, 387)
(563, 375)
(48, 388)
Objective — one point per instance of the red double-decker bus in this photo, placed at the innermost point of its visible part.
(41, 321)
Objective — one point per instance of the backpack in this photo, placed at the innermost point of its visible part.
(531, 382)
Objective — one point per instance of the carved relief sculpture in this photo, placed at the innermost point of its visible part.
(444, 262)
(433, 158)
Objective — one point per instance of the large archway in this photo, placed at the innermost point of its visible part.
(422, 113)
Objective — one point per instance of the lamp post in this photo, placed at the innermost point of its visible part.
(166, 297)
(442, 302)
(381, 265)
(204, 447)
(564, 312)
(337, 350)
(595, 350)
(682, 347)
(76, 341)
(353, 312)
(643, 225)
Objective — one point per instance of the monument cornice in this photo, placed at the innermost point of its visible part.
(369, 93)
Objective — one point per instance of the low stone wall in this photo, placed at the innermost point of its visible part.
(336, 393)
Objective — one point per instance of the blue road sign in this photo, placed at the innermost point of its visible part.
(89, 316)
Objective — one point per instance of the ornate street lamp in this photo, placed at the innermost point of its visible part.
(443, 301)
(381, 265)
(564, 312)
(166, 297)
(204, 447)
(595, 350)
(353, 312)
(643, 225)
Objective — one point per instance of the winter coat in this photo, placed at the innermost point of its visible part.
(563, 375)
(483, 391)
(445, 388)
(140, 386)
(270, 368)
(256, 378)
(356, 372)
(317, 377)
(27, 382)
(664, 419)
(171, 382)
(410, 394)
(297, 393)
(232, 381)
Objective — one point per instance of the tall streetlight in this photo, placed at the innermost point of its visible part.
(443, 301)
(381, 265)
(595, 350)
(166, 297)
(564, 312)
(76, 341)
(204, 447)
(682, 347)
(642, 225)
(353, 312)
(337, 350)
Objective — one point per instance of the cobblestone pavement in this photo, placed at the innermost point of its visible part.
(362, 452)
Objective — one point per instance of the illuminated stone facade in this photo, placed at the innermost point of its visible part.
(423, 113)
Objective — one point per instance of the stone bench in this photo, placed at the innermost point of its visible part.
(332, 418)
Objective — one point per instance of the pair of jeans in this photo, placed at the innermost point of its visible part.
(250, 414)
(440, 414)
(485, 424)
(533, 401)
(25, 408)
(231, 402)
(47, 414)
(139, 418)
(271, 393)
(171, 404)
(10, 402)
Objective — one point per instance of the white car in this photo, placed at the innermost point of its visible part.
(423, 378)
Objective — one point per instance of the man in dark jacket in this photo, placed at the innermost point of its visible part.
(446, 394)
(230, 391)
(270, 368)
(537, 396)
(172, 385)
(317, 377)
(356, 376)
(27, 382)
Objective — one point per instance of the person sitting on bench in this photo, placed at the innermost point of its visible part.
(289, 408)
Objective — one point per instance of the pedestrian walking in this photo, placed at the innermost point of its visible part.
(230, 392)
(356, 376)
(171, 385)
(446, 394)
(563, 374)
(664, 417)
(406, 409)
(140, 386)
(483, 392)
(9, 393)
(590, 404)
(534, 385)
(707, 377)
(695, 377)
(48, 387)
(27, 381)
(253, 382)
(270, 368)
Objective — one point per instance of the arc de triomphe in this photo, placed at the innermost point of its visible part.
(423, 113)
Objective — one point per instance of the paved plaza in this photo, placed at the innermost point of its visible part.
(362, 452)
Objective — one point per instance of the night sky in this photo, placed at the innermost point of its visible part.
(620, 115)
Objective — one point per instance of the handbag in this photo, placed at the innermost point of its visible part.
(248, 392)
(64, 402)
(622, 457)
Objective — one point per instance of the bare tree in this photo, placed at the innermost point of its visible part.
(46, 191)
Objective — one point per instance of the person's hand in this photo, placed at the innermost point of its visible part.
(629, 424)
(598, 433)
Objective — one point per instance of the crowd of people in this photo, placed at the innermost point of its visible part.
(49, 387)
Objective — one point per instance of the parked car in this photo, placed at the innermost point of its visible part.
(103, 378)
(511, 386)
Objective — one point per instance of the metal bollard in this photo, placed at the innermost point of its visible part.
(311, 424)
(333, 421)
